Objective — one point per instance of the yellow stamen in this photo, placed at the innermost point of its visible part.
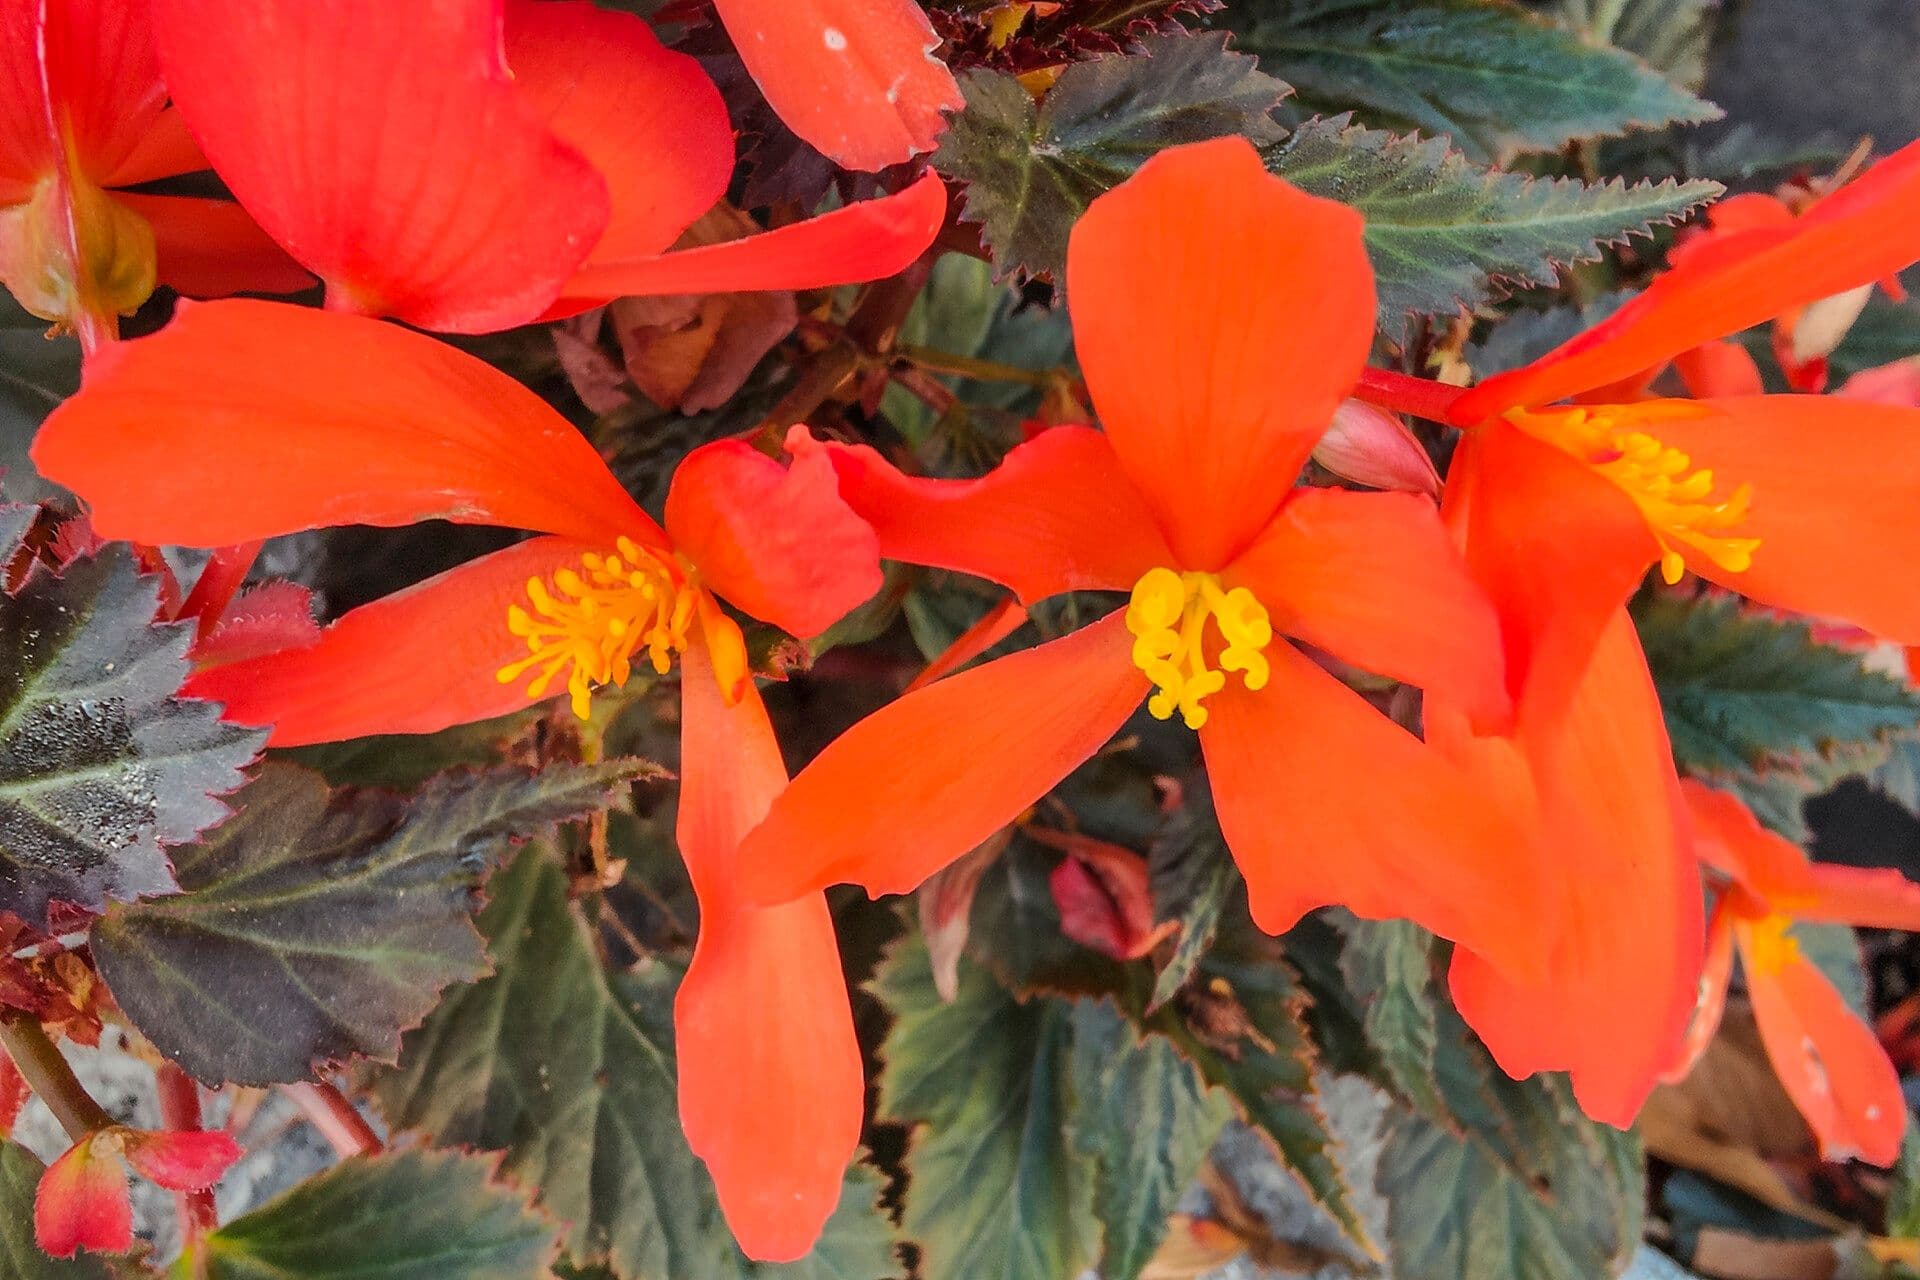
(1168, 616)
(1770, 947)
(1676, 498)
(592, 625)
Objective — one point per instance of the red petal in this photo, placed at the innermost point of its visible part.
(1221, 317)
(647, 118)
(1714, 977)
(82, 1203)
(1728, 838)
(1856, 236)
(103, 79)
(924, 779)
(1873, 898)
(388, 148)
(166, 150)
(1719, 369)
(1835, 486)
(212, 248)
(14, 1093)
(417, 661)
(1623, 974)
(315, 420)
(1373, 579)
(1058, 514)
(776, 541)
(869, 240)
(855, 78)
(1102, 894)
(1828, 1058)
(1324, 800)
(188, 1161)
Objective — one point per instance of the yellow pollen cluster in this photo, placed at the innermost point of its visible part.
(591, 624)
(1675, 497)
(1168, 617)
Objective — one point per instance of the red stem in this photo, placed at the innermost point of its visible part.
(328, 1110)
(217, 584)
(180, 1112)
(1403, 393)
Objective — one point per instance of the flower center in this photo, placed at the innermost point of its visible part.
(1168, 618)
(591, 624)
(1676, 497)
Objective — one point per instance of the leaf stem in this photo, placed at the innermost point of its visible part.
(973, 367)
(47, 1073)
(180, 1113)
(1404, 393)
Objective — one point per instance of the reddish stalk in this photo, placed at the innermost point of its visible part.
(48, 1075)
(217, 584)
(180, 1113)
(328, 1110)
(1403, 393)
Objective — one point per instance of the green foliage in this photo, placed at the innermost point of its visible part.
(570, 1073)
(1032, 171)
(412, 1215)
(101, 765)
(1493, 77)
(1193, 880)
(1512, 1181)
(1144, 1119)
(1903, 1197)
(1671, 36)
(20, 1257)
(996, 1192)
(1445, 234)
(35, 376)
(1388, 965)
(317, 925)
(1741, 690)
(1886, 331)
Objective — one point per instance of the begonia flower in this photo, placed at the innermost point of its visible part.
(83, 115)
(1827, 1055)
(322, 419)
(82, 1200)
(1215, 361)
(474, 166)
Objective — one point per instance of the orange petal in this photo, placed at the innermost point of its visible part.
(855, 78)
(166, 150)
(417, 661)
(1221, 317)
(777, 541)
(102, 76)
(1728, 838)
(772, 1090)
(1856, 236)
(182, 1161)
(1373, 579)
(1712, 1005)
(389, 149)
(867, 240)
(1836, 484)
(82, 1203)
(647, 118)
(212, 248)
(1556, 547)
(317, 419)
(1324, 800)
(924, 779)
(1058, 514)
(1873, 898)
(1623, 973)
(1832, 1065)
(1722, 368)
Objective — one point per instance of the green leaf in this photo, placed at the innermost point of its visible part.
(1388, 965)
(1903, 1197)
(1490, 75)
(1145, 1119)
(35, 376)
(101, 766)
(1886, 331)
(1518, 1184)
(20, 1257)
(1446, 234)
(1193, 880)
(995, 1190)
(1671, 36)
(1032, 171)
(411, 1215)
(318, 925)
(1741, 690)
(571, 1074)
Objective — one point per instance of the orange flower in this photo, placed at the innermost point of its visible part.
(1827, 1056)
(1221, 317)
(319, 419)
(82, 1201)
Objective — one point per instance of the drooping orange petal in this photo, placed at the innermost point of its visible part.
(777, 541)
(647, 118)
(1373, 579)
(1715, 974)
(1058, 514)
(82, 1203)
(417, 661)
(867, 240)
(855, 78)
(771, 1084)
(389, 149)
(1556, 547)
(1858, 235)
(1723, 368)
(1832, 1065)
(317, 419)
(1871, 897)
(1324, 800)
(1728, 838)
(1623, 973)
(1835, 487)
(1221, 317)
(924, 779)
(213, 248)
